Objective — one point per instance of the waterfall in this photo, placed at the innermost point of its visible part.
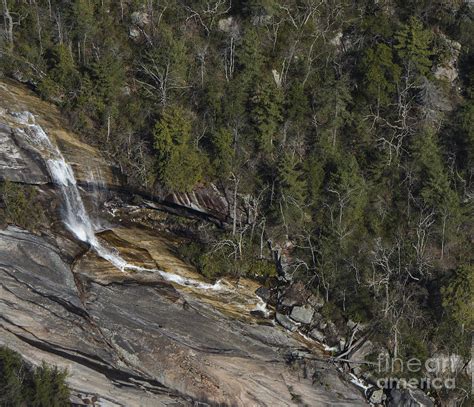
(75, 216)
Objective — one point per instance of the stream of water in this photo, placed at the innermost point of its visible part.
(74, 213)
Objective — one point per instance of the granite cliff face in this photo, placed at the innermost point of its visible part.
(154, 333)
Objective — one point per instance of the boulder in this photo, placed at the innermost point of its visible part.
(448, 71)
(134, 33)
(264, 293)
(317, 335)
(357, 370)
(322, 324)
(286, 322)
(228, 25)
(366, 349)
(302, 314)
(316, 301)
(375, 395)
(317, 319)
(296, 294)
(332, 336)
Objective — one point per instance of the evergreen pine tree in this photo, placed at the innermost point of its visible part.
(178, 161)
(413, 46)
(265, 115)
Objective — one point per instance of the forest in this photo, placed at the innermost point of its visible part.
(343, 131)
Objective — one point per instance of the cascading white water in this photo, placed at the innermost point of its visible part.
(76, 218)
(75, 215)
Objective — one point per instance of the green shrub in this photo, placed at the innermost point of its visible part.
(332, 312)
(12, 376)
(458, 296)
(217, 263)
(49, 387)
(22, 385)
(20, 205)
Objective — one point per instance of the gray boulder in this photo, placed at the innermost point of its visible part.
(286, 322)
(316, 301)
(322, 324)
(296, 294)
(317, 334)
(361, 354)
(351, 324)
(134, 33)
(376, 396)
(302, 314)
(263, 293)
(317, 318)
(332, 336)
(228, 25)
(448, 70)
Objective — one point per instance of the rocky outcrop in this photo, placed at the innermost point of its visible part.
(229, 25)
(205, 200)
(18, 161)
(133, 339)
(448, 71)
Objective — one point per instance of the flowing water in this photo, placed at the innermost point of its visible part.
(75, 215)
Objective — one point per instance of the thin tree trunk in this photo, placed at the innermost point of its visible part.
(108, 128)
(442, 236)
(38, 27)
(234, 221)
(7, 18)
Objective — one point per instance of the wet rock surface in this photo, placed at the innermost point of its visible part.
(286, 322)
(119, 338)
(18, 162)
